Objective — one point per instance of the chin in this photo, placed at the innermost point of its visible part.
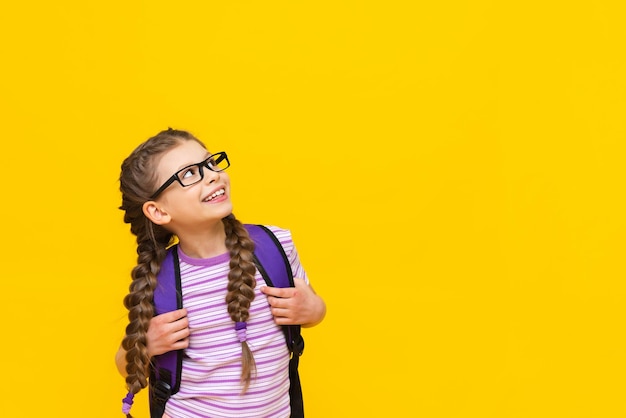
(227, 209)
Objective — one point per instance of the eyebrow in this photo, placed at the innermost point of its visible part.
(207, 155)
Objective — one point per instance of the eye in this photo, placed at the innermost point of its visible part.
(217, 162)
(189, 172)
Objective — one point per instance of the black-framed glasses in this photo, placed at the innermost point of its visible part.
(193, 173)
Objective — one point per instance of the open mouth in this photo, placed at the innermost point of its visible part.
(218, 193)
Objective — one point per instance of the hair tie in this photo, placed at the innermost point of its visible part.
(127, 402)
(240, 329)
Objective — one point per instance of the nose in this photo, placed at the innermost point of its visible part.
(209, 175)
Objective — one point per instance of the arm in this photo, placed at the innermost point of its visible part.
(166, 332)
(295, 305)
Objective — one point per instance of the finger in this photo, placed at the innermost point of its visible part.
(281, 312)
(279, 302)
(168, 328)
(276, 291)
(181, 344)
(299, 283)
(180, 334)
(302, 287)
(173, 315)
(180, 324)
(281, 320)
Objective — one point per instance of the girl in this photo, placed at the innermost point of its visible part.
(172, 187)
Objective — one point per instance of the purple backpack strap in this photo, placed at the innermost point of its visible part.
(274, 266)
(166, 368)
(270, 258)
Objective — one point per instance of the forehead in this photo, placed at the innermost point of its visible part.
(182, 155)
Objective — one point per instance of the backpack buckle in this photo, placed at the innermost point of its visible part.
(297, 345)
(161, 391)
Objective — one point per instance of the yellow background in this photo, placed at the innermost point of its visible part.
(452, 173)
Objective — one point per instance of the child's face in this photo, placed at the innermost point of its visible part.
(190, 206)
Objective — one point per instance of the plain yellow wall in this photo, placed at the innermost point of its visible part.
(452, 172)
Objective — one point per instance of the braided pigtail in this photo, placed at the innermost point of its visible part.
(241, 283)
(137, 184)
(151, 253)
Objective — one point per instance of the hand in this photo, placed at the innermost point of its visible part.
(168, 332)
(298, 305)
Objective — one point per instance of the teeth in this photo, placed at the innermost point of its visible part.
(214, 195)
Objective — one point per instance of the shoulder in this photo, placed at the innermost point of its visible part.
(276, 230)
(279, 232)
(283, 236)
(286, 241)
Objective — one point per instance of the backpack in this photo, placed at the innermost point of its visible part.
(272, 263)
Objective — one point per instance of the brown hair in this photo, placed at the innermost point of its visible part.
(137, 184)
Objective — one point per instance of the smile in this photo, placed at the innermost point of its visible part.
(214, 195)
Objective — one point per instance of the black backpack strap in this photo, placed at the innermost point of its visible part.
(295, 389)
(160, 392)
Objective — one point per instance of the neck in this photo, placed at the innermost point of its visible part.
(204, 243)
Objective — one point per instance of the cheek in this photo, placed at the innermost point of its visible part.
(225, 179)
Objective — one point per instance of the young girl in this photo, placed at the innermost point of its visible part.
(172, 187)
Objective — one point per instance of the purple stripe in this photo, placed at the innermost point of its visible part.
(228, 341)
(276, 388)
(206, 293)
(258, 324)
(196, 414)
(197, 346)
(201, 309)
(221, 407)
(236, 367)
(182, 408)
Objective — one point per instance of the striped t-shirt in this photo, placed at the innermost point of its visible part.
(210, 383)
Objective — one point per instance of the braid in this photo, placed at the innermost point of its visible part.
(137, 183)
(241, 284)
(140, 310)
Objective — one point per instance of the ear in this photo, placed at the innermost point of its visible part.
(156, 213)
